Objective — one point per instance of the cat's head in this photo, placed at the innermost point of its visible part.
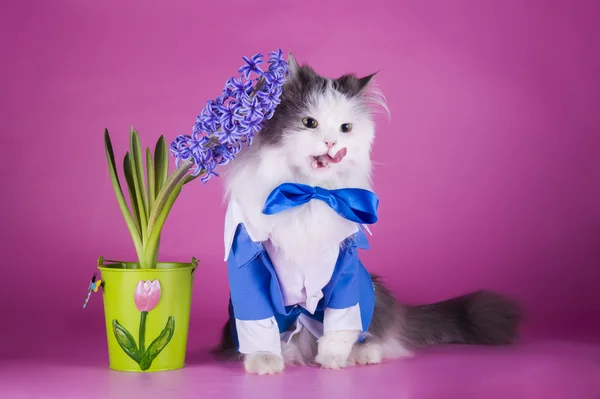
(323, 128)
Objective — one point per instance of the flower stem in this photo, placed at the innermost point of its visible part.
(165, 192)
(142, 340)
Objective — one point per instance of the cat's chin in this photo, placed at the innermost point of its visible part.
(322, 172)
(319, 166)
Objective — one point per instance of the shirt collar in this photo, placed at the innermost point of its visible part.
(244, 248)
(360, 239)
(245, 243)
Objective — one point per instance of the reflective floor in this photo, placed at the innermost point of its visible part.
(541, 368)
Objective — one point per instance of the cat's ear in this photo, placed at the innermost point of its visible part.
(292, 64)
(364, 81)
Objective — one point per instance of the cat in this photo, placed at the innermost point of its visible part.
(321, 135)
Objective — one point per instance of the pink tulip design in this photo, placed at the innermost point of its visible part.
(147, 295)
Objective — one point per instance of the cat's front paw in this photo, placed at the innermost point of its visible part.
(333, 361)
(262, 363)
(334, 349)
(367, 353)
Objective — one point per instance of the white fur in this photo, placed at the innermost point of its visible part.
(335, 347)
(263, 363)
(305, 232)
(373, 352)
(259, 169)
(367, 353)
(394, 349)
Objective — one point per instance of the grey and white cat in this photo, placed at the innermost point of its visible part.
(321, 135)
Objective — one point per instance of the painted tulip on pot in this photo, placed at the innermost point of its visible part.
(146, 297)
(149, 299)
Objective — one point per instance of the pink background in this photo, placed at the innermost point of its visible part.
(488, 172)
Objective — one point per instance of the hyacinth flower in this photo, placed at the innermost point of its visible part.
(232, 119)
(146, 297)
(223, 126)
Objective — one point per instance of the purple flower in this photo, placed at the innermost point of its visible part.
(251, 65)
(270, 100)
(211, 115)
(230, 113)
(199, 149)
(209, 168)
(233, 118)
(252, 108)
(276, 58)
(226, 153)
(239, 89)
(179, 147)
(274, 78)
(253, 125)
(230, 134)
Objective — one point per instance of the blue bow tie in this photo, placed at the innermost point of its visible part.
(354, 204)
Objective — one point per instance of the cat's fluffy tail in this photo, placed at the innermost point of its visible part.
(478, 318)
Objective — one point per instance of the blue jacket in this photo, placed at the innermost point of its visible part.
(255, 292)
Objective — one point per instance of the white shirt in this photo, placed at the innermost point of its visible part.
(300, 286)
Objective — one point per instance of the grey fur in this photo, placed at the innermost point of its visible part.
(299, 88)
(478, 318)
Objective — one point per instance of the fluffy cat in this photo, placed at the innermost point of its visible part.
(321, 135)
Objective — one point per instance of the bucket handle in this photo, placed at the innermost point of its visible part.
(104, 262)
(195, 264)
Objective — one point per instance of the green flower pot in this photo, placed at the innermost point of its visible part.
(147, 313)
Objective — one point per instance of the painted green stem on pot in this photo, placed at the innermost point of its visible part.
(126, 341)
(158, 344)
(142, 340)
(138, 354)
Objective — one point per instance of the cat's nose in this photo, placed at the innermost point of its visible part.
(330, 144)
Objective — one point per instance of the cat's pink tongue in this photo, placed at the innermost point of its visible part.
(338, 156)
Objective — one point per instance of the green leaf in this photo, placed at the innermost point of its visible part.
(158, 344)
(112, 168)
(136, 152)
(161, 164)
(190, 178)
(139, 206)
(151, 179)
(126, 341)
(154, 256)
(154, 236)
(165, 193)
(129, 178)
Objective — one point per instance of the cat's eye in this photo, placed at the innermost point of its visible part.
(310, 123)
(346, 127)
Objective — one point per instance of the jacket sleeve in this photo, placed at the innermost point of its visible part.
(249, 282)
(343, 309)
